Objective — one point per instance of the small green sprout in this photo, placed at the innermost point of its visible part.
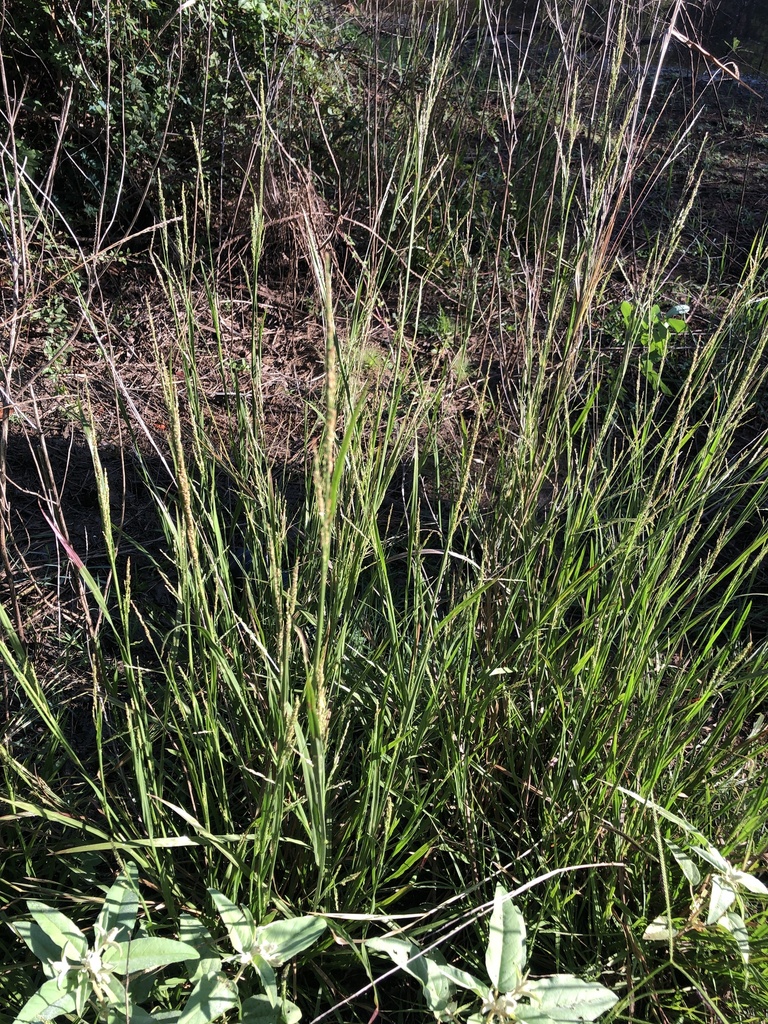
(654, 332)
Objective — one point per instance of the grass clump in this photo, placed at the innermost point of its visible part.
(372, 540)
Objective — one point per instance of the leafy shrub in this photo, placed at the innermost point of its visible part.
(137, 89)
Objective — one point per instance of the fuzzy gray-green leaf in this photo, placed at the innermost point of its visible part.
(51, 1001)
(259, 1010)
(745, 880)
(505, 955)
(136, 1015)
(660, 929)
(194, 933)
(58, 927)
(147, 954)
(687, 866)
(238, 921)
(268, 979)
(121, 905)
(39, 941)
(460, 978)
(564, 997)
(437, 988)
(734, 923)
(291, 1012)
(723, 895)
(290, 936)
(212, 997)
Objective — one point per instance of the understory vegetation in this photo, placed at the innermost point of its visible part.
(383, 513)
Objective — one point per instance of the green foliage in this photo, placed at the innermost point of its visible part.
(82, 976)
(145, 85)
(473, 680)
(438, 636)
(512, 994)
(717, 893)
(113, 976)
(653, 332)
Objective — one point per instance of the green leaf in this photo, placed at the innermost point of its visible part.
(734, 924)
(659, 336)
(505, 955)
(678, 326)
(723, 895)
(140, 986)
(646, 365)
(436, 987)
(462, 979)
(147, 954)
(713, 857)
(627, 313)
(259, 1010)
(41, 944)
(195, 934)
(116, 1015)
(532, 1015)
(290, 937)
(211, 997)
(743, 878)
(687, 866)
(669, 815)
(291, 1012)
(582, 417)
(564, 997)
(113, 990)
(121, 905)
(52, 1000)
(58, 928)
(268, 979)
(238, 921)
